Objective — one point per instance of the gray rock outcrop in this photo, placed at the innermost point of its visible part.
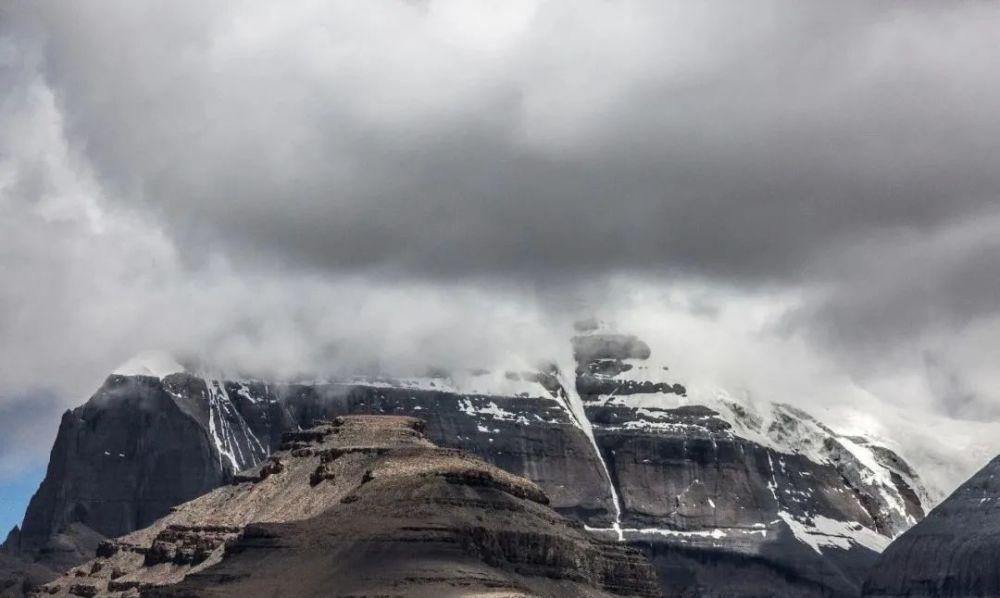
(953, 552)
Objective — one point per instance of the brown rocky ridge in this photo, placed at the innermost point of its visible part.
(363, 506)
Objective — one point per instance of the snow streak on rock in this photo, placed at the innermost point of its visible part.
(234, 440)
(619, 377)
(574, 404)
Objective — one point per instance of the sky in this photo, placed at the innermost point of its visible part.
(784, 190)
(15, 493)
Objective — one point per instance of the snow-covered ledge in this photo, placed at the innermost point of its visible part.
(150, 363)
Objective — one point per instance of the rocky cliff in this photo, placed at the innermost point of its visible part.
(18, 576)
(364, 505)
(707, 486)
(954, 551)
(731, 497)
(138, 447)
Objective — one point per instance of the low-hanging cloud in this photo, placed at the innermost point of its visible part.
(386, 186)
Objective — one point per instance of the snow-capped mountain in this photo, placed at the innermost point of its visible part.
(705, 481)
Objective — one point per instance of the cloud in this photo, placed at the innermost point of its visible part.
(717, 139)
(350, 185)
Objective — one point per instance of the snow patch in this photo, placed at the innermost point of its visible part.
(644, 400)
(492, 383)
(493, 410)
(819, 532)
(716, 534)
(244, 392)
(150, 363)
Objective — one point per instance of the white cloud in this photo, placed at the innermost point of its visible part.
(795, 198)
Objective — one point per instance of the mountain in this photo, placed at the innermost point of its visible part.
(726, 496)
(18, 577)
(954, 551)
(364, 505)
(733, 498)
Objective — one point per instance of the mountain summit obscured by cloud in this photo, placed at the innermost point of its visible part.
(349, 185)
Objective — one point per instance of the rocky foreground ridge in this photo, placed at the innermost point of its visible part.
(954, 552)
(364, 505)
(727, 497)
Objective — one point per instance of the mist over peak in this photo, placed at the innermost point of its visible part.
(793, 198)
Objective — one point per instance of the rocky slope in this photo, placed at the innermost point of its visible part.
(18, 577)
(954, 551)
(364, 505)
(706, 485)
(137, 448)
(717, 485)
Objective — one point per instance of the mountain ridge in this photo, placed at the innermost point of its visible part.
(615, 441)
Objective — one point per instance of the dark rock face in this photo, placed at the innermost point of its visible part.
(19, 577)
(709, 490)
(531, 437)
(597, 347)
(708, 502)
(776, 496)
(142, 445)
(188, 544)
(133, 451)
(954, 551)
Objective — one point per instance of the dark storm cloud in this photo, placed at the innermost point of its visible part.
(719, 140)
(907, 282)
(277, 185)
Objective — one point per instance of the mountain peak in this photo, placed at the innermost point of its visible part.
(157, 364)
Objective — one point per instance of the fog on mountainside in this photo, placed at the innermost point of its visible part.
(613, 248)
